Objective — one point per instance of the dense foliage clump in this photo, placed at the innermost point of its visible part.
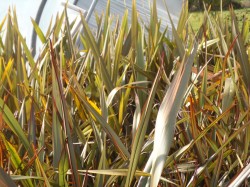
(131, 106)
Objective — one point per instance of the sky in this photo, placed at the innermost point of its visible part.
(26, 9)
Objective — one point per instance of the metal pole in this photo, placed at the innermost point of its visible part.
(34, 35)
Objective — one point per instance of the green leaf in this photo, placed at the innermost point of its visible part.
(15, 159)
(166, 117)
(30, 58)
(39, 32)
(243, 58)
(106, 127)
(141, 131)
(63, 168)
(65, 119)
(11, 121)
(102, 70)
(228, 96)
(5, 180)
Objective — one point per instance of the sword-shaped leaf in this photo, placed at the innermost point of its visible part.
(166, 118)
